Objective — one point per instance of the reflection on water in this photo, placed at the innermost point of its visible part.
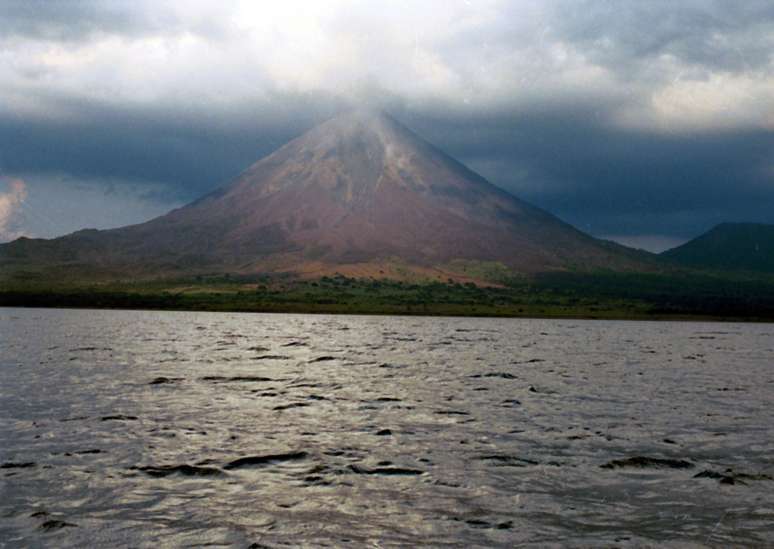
(184, 429)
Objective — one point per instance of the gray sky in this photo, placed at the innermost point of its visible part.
(643, 121)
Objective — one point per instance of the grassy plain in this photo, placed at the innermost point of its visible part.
(564, 295)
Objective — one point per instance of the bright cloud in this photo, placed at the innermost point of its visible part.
(11, 202)
(478, 55)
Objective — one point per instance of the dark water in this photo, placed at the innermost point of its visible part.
(151, 429)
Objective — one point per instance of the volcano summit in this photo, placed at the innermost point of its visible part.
(359, 194)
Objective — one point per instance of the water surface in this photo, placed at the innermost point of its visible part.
(148, 429)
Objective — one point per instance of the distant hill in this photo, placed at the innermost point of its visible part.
(729, 246)
(359, 194)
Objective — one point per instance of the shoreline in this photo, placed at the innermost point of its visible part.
(598, 297)
(430, 314)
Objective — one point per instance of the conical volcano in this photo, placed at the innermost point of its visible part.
(359, 194)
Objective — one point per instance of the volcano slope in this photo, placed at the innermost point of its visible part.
(359, 195)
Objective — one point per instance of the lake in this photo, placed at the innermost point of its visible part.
(179, 429)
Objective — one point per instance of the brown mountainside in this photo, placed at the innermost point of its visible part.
(359, 194)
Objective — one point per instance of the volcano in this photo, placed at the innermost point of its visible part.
(360, 195)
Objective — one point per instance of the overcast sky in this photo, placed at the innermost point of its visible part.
(643, 121)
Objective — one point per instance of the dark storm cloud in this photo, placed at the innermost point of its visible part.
(707, 33)
(613, 181)
(86, 20)
(74, 19)
(624, 118)
(192, 152)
